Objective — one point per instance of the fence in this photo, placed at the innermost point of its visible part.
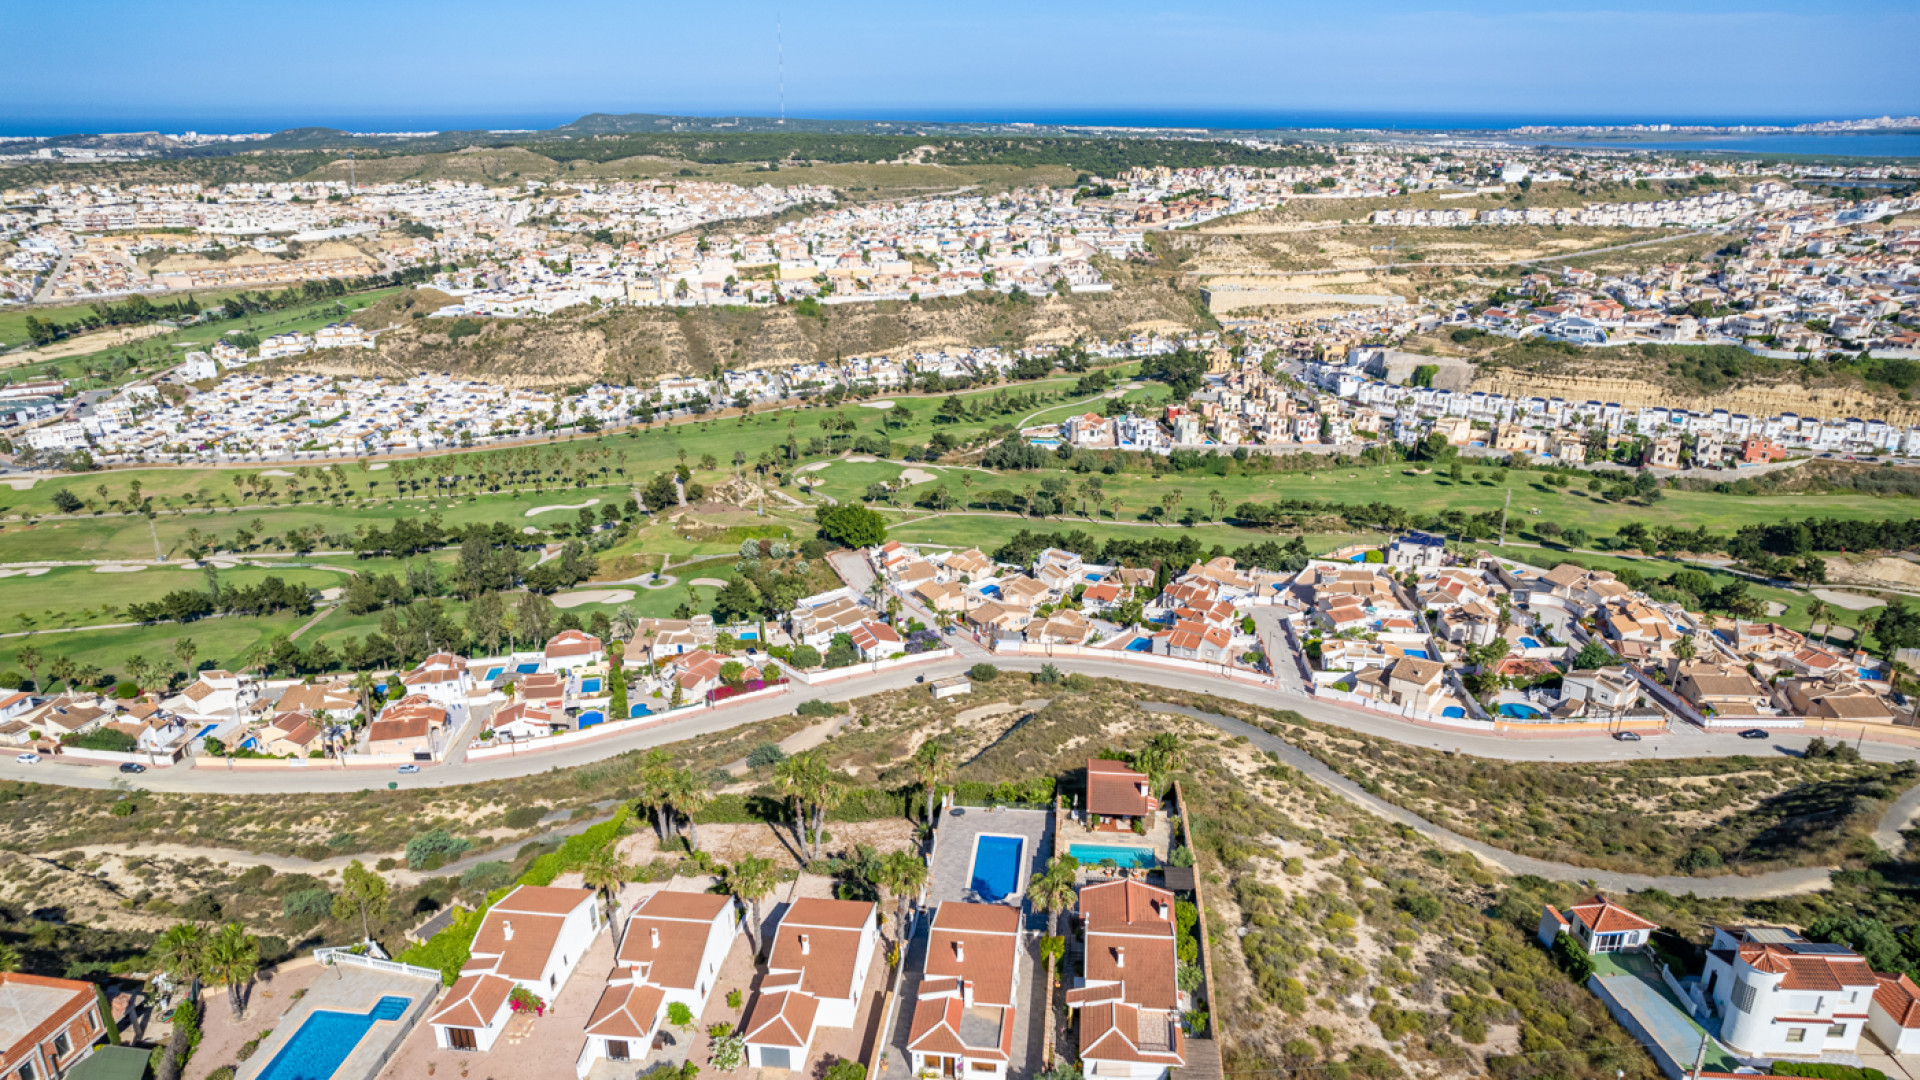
(501, 748)
(870, 667)
(351, 761)
(157, 759)
(1083, 652)
(336, 955)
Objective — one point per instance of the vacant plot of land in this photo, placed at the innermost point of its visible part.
(1707, 816)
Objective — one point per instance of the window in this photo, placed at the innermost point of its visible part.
(26, 1071)
(1795, 1035)
(1743, 995)
(1837, 1031)
(61, 1044)
(981, 1066)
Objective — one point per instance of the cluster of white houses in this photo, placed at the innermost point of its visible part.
(1764, 992)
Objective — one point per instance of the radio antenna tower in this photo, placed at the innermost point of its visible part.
(780, 53)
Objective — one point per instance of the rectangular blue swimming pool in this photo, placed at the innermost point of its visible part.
(1123, 855)
(1140, 644)
(326, 1040)
(996, 866)
(589, 686)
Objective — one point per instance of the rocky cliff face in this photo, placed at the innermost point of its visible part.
(1752, 399)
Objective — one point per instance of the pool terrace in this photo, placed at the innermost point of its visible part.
(951, 876)
(384, 1003)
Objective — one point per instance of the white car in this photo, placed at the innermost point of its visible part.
(409, 769)
(28, 759)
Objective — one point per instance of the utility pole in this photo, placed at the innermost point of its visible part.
(1508, 505)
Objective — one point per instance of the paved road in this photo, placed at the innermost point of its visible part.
(1687, 743)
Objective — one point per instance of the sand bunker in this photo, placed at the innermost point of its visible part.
(814, 467)
(876, 404)
(592, 596)
(911, 477)
(563, 506)
(275, 472)
(23, 571)
(118, 568)
(718, 583)
(1851, 601)
(379, 465)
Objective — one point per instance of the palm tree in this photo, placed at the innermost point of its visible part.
(604, 873)
(1053, 890)
(824, 787)
(364, 684)
(181, 952)
(233, 959)
(690, 795)
(655, 770)
(1818, 612)
(9, 959)
(931, 764)
(900, 874)
(1162, 756)
(790, 775)
(750, 880)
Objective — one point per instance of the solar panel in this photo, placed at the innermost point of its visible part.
(1820, 948)
(1770, 935)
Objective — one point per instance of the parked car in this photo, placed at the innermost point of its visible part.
(1627, 736)
(28, 759)
(1754, 733)
(409, 769)
(133, 767)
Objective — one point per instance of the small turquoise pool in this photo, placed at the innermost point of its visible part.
(589, 686)
(206, 731)
(326, 1039)
(1520, 712)
(1421, 653)
(990, 590)
(527, 669)
(639, 710)
(592, 717)
(1454, 712)
(1529, 643)
(494, 673)
(749, 635)
(1869, 673)
(996, 866)
(1140, 644)
(1122, 855)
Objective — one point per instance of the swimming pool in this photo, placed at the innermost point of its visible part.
(1869, 673)
(1421, 653)
(592, 717)
(639, 710)
(1529, 643)
(494, 673)
(1122, 855)
(206, 731)
(1454, 712)
(996, 866)
(326, 1039)
(527, 669)
(1520, 712)
(589, 686)
(990, 590)
(749, 635)
(1140, 644)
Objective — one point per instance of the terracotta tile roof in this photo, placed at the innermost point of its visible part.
(38, 1006)
(474, 1001)
(1603, 916)
(979, 943)
(827, 957)
(536, 915)
(781, 1019)
(668, 934)
(1115, 1031)
(626, 1010)
(1900, 998)
(1128, 942)
(1113, 788)
(572, 643)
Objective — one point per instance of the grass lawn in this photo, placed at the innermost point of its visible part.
(53, 599)
(221, 642)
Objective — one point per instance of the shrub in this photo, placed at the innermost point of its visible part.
(525, 817)
(733, 999)
(983, 673)
(487, 876)
(305, 907)
(1826, 1071)
(1181, 856)
(814, 708)
(845, 1069)
(434, 848)
(805, 657)
(102, 738)
(765, 756)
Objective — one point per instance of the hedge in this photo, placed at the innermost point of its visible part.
(1035, 791)
(769, 807)
(1826, 1071)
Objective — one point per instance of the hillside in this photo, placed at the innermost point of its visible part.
(641, 345)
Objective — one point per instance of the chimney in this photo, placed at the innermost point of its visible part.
(804, 945)
(506, 929)
(959, 952)
(1119, 956)
(653, 936)
(1165, 910)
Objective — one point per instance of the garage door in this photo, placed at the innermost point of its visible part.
(775, 1057)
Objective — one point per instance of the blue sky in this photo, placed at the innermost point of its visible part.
(526, 64)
